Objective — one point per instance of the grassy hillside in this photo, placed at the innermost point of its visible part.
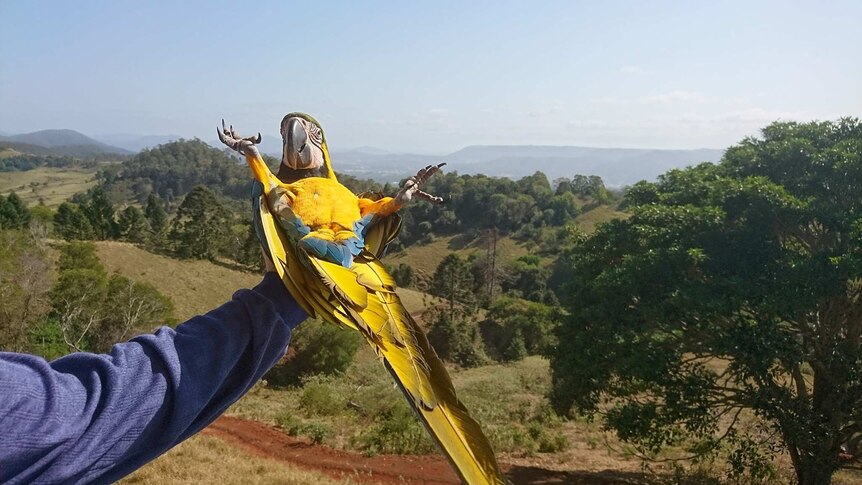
(424, 258)
(52, 185)
(587, 221)
(195, 287)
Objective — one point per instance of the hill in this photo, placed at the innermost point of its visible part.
(194, 286)
(60, 142)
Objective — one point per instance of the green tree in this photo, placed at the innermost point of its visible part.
(13, 212)
(201, 228)
(526, 278)
(91, 310)
(317, 348)
(453, 280)
(155, 214)
(100, 212)
(79, 255)
(129, 306)
(71, 224)
(77, 300)
(455, 337)
(404, 275)
(42, 220)
(132, 225)
(25, 280)
(524, 325)
(565, 207)
(454, 333)
(754, 263)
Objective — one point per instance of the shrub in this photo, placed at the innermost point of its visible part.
(317, 432)
(398, 432)
(318, 398)
(318, 348)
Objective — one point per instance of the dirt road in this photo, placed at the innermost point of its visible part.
(268, 442)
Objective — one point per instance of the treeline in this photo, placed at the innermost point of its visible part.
(203, 226)
(23, 162)
(521, 208)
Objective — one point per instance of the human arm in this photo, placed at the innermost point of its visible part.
(90, 418)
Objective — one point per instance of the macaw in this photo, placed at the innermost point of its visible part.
(326, 242)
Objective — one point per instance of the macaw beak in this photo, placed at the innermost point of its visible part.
(297, 153)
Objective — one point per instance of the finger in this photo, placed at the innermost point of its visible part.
(427, 172)
(267, 263)
(431, 198)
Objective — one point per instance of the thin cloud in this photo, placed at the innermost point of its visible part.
(678, 96)
(674, 97)
(557, 108)
(634, 71)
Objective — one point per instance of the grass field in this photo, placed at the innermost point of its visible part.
(587, 221)
(6, 152)
(207, 459)
(195, 287)
(424, 258)
(51, 185)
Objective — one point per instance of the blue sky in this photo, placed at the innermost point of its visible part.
(432, 77)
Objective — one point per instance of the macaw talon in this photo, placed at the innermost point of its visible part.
(234, 141)
(430, 198)
(411, 186)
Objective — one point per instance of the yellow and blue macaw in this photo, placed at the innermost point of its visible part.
(325, 243)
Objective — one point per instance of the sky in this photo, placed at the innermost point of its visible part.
(432, 77)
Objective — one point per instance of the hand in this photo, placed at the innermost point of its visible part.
(268, 266)
(245, 146)
(411, 186)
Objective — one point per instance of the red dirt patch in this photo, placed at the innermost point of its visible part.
(268, 442)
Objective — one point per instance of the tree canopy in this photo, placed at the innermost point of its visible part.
(732, 286)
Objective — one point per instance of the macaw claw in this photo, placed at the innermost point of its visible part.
(243, 145)
(411, 186)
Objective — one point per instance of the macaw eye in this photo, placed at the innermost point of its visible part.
(316, 135)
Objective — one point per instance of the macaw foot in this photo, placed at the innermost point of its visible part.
(243, 145)
(412, 185)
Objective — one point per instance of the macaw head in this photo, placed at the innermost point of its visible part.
(305, 153)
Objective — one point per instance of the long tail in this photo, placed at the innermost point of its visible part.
(457, 434)
(402, 345)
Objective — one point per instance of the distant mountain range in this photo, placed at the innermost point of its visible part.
(136, 143)
(616, 166)
(61, 143)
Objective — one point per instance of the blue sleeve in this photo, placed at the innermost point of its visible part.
(88, 418)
